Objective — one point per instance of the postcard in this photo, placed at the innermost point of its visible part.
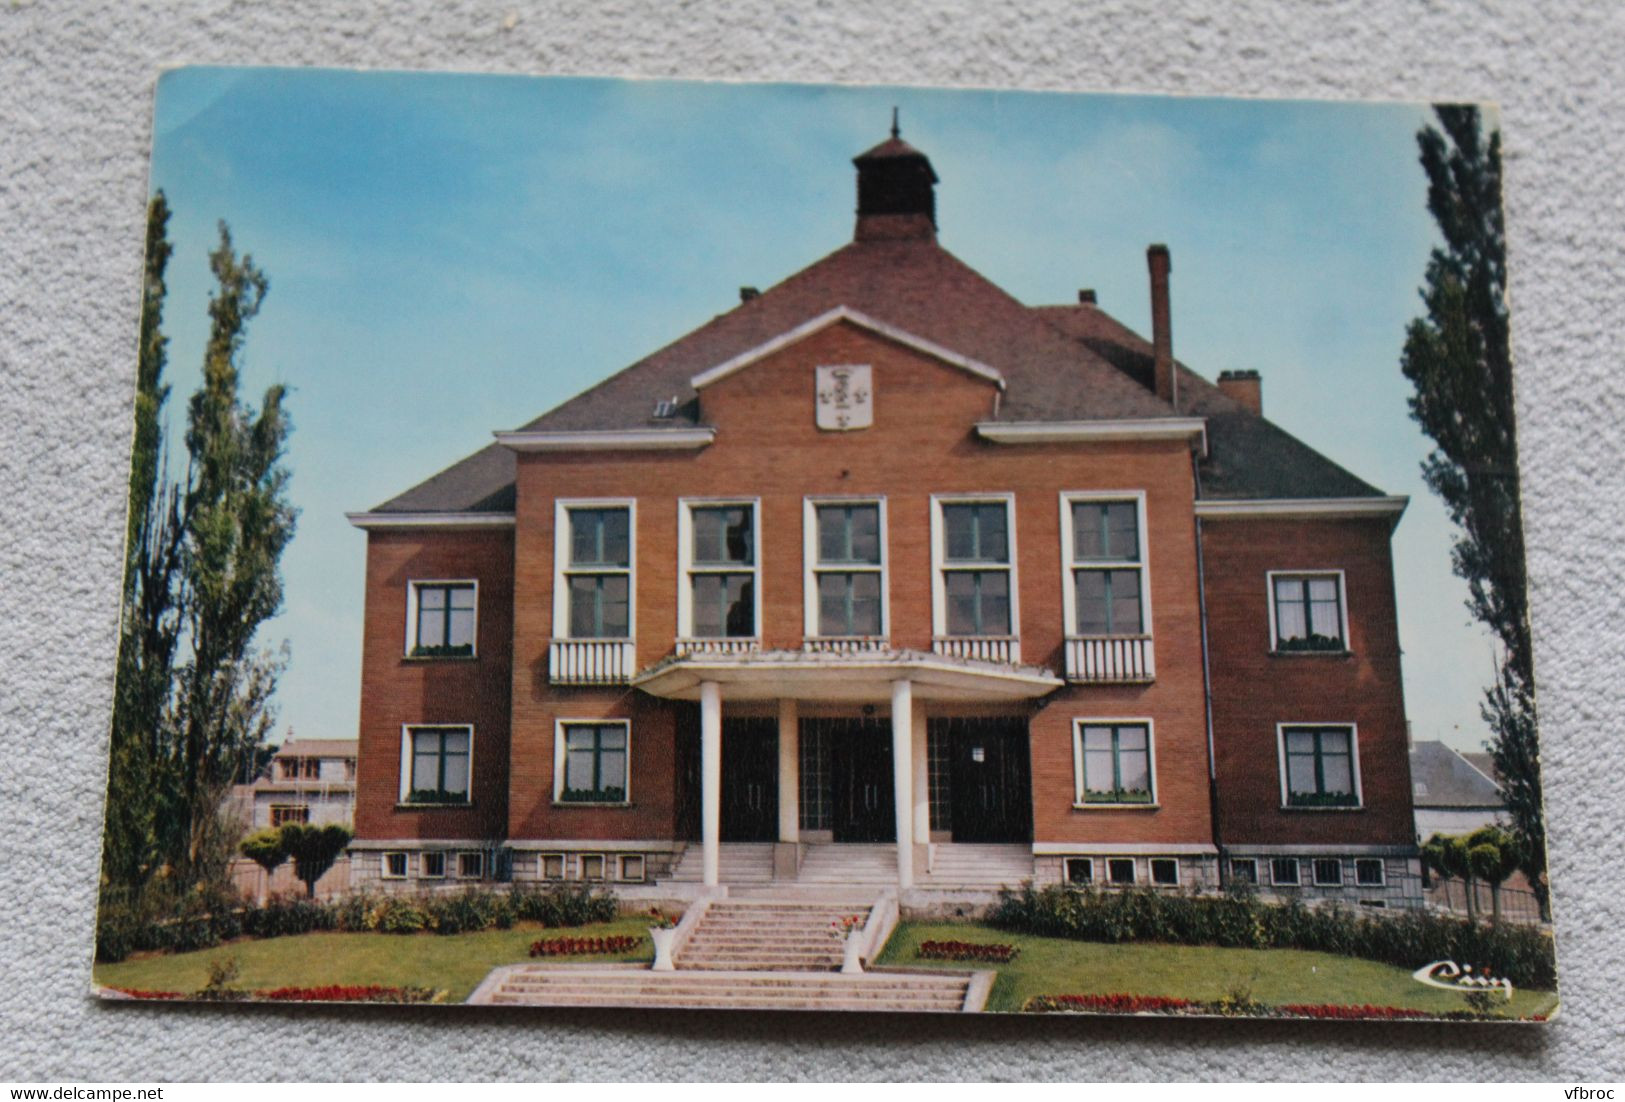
(691, 545)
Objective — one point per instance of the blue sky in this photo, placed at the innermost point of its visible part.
(453, 254)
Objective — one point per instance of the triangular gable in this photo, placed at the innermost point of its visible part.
(855, 317)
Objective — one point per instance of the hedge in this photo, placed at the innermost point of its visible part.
(1407, 938)
(122, 930)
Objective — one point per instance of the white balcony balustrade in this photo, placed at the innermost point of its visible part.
(713, 647)
(982, 648)
(1110, 659)
(845, 644)
(591, 661)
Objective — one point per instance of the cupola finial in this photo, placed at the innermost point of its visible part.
(895, 132)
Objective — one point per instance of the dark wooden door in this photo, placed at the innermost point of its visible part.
(990, 782)
(861, 781)
(750, 780)
(686, 747)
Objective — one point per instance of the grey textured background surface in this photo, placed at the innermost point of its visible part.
(75, 98)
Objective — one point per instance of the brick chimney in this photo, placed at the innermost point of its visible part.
(1162, 341)
(1245, 387)
(1087, 297)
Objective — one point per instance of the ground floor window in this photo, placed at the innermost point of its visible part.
(1120, 870)
(1284, 871)
(1369, 872)
(593, 760)
(439, 764)
(1244, 870)
(289, 813)
(1165, 871)
(433, 866)
(1080, 871)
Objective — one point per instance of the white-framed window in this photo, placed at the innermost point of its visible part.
(1320, 765)
(1120, 871)
(442, 617)
(436, 763)
(1370, 872)
(289, 813)
(595, 568)
(632, 867)
(1284, 872)
(1308, 612)
(1244, 870)
(1328, 872)
(719, 595)
(844, 548)
(973, 566)
(392, 866)
(1114, 762)
(593, 866)
(432, 865)
(551, 866)
(1165, 872)
(471, 865)
(1105, 586)
(1080, 871)
(591, 761)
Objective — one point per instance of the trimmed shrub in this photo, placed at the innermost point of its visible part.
(584, 946)
(564, 905)
(1408, 939)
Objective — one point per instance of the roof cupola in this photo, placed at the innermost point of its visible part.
(896, 191)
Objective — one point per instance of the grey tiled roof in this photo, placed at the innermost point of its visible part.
(1059, 364)
(1440, 777)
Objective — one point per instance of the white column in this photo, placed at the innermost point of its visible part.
(789, 772)
(922, 778)
(711, 778)
(902, 755)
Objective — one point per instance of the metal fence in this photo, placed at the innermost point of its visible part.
(1517, 904)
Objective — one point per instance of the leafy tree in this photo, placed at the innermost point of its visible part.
(1459, 359)
(1446, 855)
(268, 850)
(1493, 855)
(313, 849)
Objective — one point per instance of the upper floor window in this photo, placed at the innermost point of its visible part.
(974, 550)
(593, 583)
(1114, 762)
(847, 575)
(1103, 547)
(1307, 612)
(721, 569)
(590, 762)
(437, 764)
(441, 619)
(1320, 766)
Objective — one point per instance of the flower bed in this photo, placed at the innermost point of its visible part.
(1108, 1004)
(139, 993)
(331, 993)
(991, 953)
(1321, 1010)
(584, 946)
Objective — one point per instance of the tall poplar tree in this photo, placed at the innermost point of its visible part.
(1459, 359)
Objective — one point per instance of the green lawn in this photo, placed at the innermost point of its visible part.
(1057, 966)
(455, 964)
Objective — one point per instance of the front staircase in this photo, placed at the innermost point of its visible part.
(979, 867)
(767, 936)
(737, 863)
(567, 985)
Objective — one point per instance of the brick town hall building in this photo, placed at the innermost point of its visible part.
(883, 577)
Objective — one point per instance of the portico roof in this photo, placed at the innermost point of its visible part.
(859, 677)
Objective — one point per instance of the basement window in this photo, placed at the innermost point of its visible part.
(471, 866)
(1369, 872)
(632, 868)
(1080, 871)
(1244, 870)
(432, 866)
(1328, 872)
(592, 866)
(394, 866)
(1121, 871)
(552, 866)
(1165, 872)
(1284, 872)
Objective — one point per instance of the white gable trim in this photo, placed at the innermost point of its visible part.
(430, 520)
(846, 313)
(608, 440)
(1314, 508)
(1071, 432)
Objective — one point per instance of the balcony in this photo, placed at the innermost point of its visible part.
(591, 661)
(982, 648)
(845, 644)
(1110, 659)
(711, 648)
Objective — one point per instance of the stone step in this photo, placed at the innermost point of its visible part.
(643, 977)
(730, 1002)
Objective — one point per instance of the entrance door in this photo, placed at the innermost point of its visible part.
(750, 780)
(990, 788)
(861, 782)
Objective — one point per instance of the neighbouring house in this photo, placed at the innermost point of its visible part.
(309, 781)
(1453, 793)
(883, 577)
